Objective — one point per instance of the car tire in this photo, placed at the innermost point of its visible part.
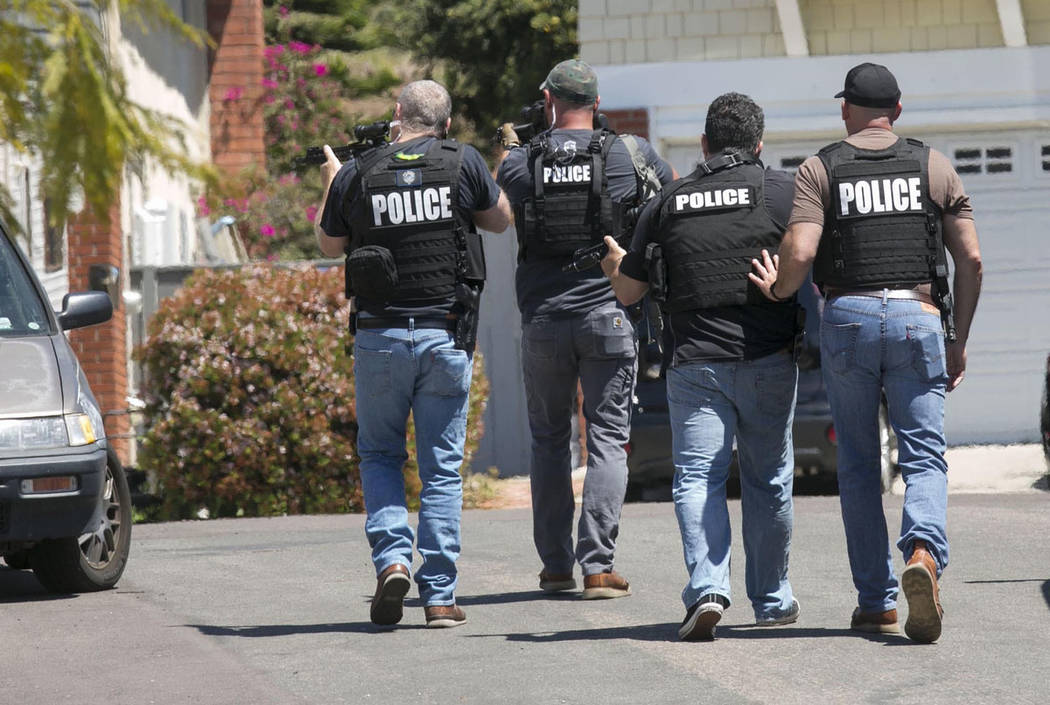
(887, 450)
(17, 560)
(94, 560)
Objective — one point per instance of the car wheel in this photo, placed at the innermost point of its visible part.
(17, 560)
(887, 450)
(94, 560)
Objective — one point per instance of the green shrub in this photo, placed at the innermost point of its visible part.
(250, 397)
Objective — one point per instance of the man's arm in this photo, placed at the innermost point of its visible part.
(330, 246)
(495, 219)
(788, 268)
(960, 238)
(627, 289)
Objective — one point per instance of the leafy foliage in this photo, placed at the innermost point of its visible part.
(63, 100)
(250, 396)
(494, 53)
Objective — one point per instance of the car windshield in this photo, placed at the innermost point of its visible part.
(21, 310)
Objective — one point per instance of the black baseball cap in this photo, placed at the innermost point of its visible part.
(572, 80)
(870, 86)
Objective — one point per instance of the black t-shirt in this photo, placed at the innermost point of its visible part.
(723, 333)
(477, 192)
(542, 288)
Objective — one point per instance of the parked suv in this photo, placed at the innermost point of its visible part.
(65, 509)
(650, 469)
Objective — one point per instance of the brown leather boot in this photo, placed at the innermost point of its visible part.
(603, 586)
(391, 587)
(919, 583)
(444, 616)
(875, 622)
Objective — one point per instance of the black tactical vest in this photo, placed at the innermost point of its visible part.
(569, 205)
(710, 226)
(882, 229)
(407, 203)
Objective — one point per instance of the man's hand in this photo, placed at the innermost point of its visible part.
(507, 136)
(611, 261)
(956, 363)
(330, 167)
(765, 274)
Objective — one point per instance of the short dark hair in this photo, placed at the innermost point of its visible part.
(734, 121)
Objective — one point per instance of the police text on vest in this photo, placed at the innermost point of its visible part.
(412, 206)
(699, 200)
(569, 174)
(898, 195)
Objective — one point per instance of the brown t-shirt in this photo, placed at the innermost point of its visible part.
(813, 194)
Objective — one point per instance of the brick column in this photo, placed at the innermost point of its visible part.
(236, 67)
(633, 121)
(102, 349)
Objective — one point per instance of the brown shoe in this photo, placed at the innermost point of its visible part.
(444, 616)
(875, 622)
(919, 583)
(556, 582)
(605, 586)
(391, 588)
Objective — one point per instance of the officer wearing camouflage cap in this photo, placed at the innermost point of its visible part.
(569, 186)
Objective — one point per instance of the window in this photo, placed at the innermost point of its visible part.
(22, 312)
(984, 160)
(54, 242)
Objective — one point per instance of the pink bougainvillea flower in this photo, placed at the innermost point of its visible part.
(284, 10)
(299, 47)
(233, 93)
(269, 83)
(320, 69)
(267, 230)
(202, 206)
(311, 213)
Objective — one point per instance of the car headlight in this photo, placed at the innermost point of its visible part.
(33, 434)
(47, 432)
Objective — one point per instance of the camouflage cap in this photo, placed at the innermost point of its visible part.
(572, 80)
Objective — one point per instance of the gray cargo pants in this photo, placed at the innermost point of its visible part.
(598, 348)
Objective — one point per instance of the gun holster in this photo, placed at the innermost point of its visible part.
(467, 310)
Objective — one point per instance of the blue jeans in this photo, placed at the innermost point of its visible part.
(870, 346)
(397, 371)
(710, 403)
(598, 349)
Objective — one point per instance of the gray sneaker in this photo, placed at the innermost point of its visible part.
(789, 617)
(701, 618)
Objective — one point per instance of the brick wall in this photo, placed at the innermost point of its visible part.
(863, 26)
(236, 67)
(102, 349)
(634, 121)
(648, 31)
(1037, 20)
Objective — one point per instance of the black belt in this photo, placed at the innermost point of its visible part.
(448, 324)
(908, 294)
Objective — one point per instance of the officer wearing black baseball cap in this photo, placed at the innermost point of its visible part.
(874, 214)
(870, 86)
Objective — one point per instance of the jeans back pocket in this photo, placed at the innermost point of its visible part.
(839, 346)
(927, 348)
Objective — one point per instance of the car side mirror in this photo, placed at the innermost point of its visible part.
(85, 308)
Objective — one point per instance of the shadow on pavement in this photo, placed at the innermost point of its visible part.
(264, 630)
(1046, 585)
(22, 586)
(666, 631)
(503, 598)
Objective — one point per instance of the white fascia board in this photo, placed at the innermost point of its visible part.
(941, 89)
(1011, 19)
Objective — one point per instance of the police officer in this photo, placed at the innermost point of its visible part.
(732, 373)
(873, 214)
(570, 186)
(404, 213)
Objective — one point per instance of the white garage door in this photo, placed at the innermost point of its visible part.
(1007, 175)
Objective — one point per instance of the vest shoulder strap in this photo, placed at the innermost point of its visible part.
(647, 182)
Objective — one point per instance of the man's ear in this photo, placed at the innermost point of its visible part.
(397, 111)
(597, 100)
(703, 147)
(448, 124)
(758, 149)
(845, 111)
(896, 113)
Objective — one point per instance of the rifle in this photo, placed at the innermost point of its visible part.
(367, 136)
(587, 257)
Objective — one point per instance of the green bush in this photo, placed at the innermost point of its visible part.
(250, 397)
